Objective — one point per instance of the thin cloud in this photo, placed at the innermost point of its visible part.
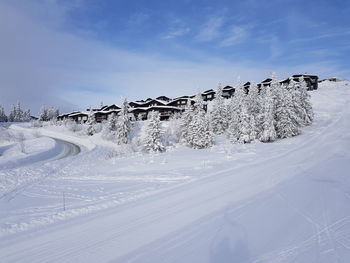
(237, 35)
(211, 29)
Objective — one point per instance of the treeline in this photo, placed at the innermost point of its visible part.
(18, 115)
(265, 114)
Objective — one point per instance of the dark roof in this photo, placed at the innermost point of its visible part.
(266, 80)
(304, 75)
(227, 88)
(208, 91)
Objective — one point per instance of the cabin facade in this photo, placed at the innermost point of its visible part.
(79, 117)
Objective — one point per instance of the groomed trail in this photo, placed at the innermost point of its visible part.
(292, 207)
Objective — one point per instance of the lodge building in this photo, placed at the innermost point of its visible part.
(139, 110)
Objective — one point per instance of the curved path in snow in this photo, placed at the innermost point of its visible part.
(62, 149)
(68, 149)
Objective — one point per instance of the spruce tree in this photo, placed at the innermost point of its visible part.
(268, 133)
(91, 121)
(152, 141)
(3, 117)
(287, 120)
(123, 126)
(219, 113)
(199, 134)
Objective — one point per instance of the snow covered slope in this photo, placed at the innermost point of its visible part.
(287, 201)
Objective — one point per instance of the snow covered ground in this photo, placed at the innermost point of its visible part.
(287, 201)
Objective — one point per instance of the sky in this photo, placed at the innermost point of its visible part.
(74, 54)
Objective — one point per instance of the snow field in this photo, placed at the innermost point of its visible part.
(285, 201)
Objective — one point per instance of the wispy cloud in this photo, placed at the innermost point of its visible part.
(236, 35)
(342, 33)
(210, 30)
(176, 29)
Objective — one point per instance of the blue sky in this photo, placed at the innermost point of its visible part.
(74, 54)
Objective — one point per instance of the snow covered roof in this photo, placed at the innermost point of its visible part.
(154, 107)
(78, 113)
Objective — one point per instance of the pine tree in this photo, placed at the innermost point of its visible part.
(235, 114)
(3, 117)
(17, 114)
(91, 121)
(152, 141)
(244, 126)
(199, 134)
(287, 120)
(26, 116)
(186, 119)
(268, 133)
(123, 126)
(112, 122)
(304, 100)
(219, 113)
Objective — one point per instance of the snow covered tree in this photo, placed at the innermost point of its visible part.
(91, 121)
(287, 120)
(268, 133)
(152, 141)
(244, 126)
(198, 134)
(112, 122)
(123, 125)
(26, 116)
(185, 121)
(17, 114)
(3, 117)
(219, 121)
(302, 98)
(52, 113)
(237, 103)
(43, 114)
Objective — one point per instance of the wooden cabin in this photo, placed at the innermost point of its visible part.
(80, 117)
(311, 80)
(163, 98)
(101, 116)
(65, 116)
(165, 111)
(208, 95)
(111, 107)
(181, 102)
(228, 91)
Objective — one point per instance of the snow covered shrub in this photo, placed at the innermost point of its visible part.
(152, 141)
(36, 124)
(172, 131)
(73, 126)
